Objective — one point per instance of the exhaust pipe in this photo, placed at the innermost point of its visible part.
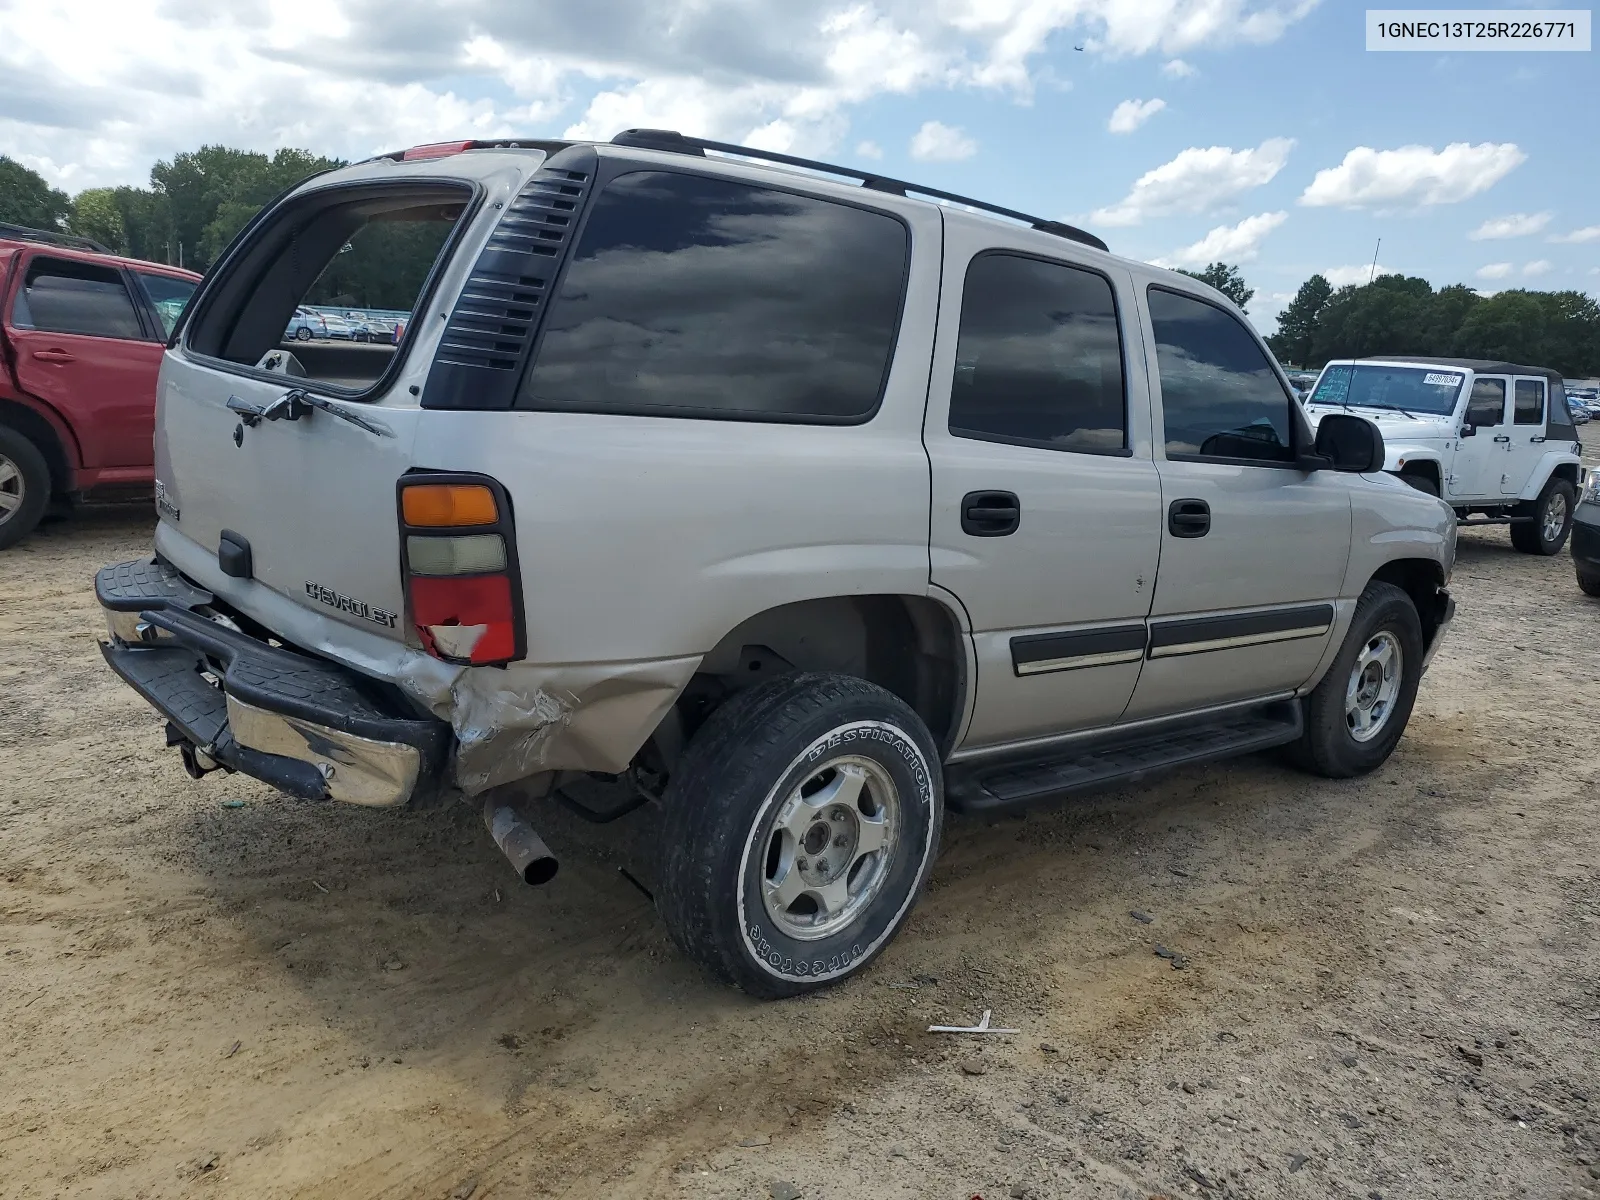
(518, 842)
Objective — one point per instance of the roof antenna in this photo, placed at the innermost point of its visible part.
(1373, 274)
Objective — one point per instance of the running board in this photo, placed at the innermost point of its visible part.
(1117, 760)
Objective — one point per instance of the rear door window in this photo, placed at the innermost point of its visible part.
(1487, 405)
(1220, 397)
(1529, 408)
(700, 297)
(1039, 357)
(61, 295)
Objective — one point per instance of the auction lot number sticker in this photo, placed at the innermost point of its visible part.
(1454, 29)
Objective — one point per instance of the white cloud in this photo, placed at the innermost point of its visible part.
(1227, 243)
(1514, 226)
(1412, 176)
(1495, 270)
(1590, 233)
(936, 142)
(1176, 68)
(1198, 180)
(360, 76)
(1538, 267)
(1131, 114)
(1364, 273)
(869, 150)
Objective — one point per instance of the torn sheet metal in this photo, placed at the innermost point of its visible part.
(526, 719)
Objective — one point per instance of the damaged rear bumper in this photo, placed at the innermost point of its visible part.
(305, 725)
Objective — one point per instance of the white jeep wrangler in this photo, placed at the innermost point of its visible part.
(786, 501)
(1494, 440)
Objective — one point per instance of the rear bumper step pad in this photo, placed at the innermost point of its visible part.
(302, 724)
(1120, 760)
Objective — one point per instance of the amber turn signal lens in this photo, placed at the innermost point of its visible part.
(441, 505)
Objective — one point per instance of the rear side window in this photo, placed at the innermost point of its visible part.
(168, 295)
(1487, 405)
(700, 297)
(1529, 403)
(1039, 357)
(1220, 397)
(62, 296)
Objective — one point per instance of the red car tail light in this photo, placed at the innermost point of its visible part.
(458, 556)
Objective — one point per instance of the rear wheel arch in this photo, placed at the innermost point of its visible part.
(55, 445)
(911, 646)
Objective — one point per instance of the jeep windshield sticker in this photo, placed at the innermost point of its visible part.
(1435, 378)
(356, 608)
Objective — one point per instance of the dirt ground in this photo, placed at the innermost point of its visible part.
(1391, 991)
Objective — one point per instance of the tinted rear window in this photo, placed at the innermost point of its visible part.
(701, 297)
(64, 296)
(1039, 357)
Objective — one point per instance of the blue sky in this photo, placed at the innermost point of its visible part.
(1257, 131)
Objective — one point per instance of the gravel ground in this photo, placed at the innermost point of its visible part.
(1390, 985)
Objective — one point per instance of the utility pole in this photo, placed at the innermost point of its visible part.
(1371, 275)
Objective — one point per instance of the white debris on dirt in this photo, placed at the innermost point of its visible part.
(1390, 986)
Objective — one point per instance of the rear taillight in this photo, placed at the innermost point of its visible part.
(458, 553)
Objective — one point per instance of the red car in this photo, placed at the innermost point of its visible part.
(81, 337)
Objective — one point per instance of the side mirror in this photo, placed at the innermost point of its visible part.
(1350, 443)
(1468, 430)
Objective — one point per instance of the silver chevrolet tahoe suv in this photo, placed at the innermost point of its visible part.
(789, 502)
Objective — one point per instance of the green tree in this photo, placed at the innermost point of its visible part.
(1450, 308)
(1509, 325)
(146, 224)
(1390, 315)
(27, 199)
(1297, 327)
(1226, 279)
(95, 215)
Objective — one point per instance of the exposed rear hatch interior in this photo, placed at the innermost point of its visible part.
(371, 248)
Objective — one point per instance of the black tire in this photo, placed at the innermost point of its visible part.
(721, 843)
(1529, 536)
(1328, 747)
(25, 484)
(1589, 582)
(303, 333)
(1423, 483)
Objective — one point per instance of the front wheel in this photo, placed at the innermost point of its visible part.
(800, 827)
(1589, 582)
(1356, 715)
(1551, 523)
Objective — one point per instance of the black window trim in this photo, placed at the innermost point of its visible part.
(1298, 438)
(611, 168)
(380, 386)
(130, 285)
(1122, 348)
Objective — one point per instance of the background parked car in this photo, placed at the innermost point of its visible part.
(306, 325)
(81, 337)
(1579, 410)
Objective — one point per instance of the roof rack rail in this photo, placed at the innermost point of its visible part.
(676, 143)
(26, 233)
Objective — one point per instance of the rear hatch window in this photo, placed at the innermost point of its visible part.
(326, 291)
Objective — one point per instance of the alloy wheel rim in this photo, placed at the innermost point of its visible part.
(1555, 516)
(13, 488)
(827, 852)
(1374, 686)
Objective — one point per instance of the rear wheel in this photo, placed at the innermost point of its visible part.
(1589, 582)
(1552, 520)
(303, 333)
(24, 486)
(1356, 715)
(800, 827)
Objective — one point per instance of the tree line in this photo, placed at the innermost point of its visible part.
(198, 200)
